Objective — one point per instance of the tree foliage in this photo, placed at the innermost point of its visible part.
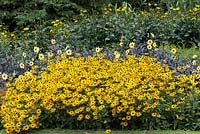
(18, 13)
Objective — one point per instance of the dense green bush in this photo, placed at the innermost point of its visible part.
(19, 13)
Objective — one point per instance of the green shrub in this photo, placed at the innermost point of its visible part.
(19, 13)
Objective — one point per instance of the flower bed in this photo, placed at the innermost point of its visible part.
(103, 91)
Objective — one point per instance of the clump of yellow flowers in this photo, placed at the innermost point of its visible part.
(95, 89)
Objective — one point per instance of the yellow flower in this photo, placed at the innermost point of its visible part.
(87, 117)
(69, 52)
(132, 45)
(117, 56)
(59, 52)
(150, 42)
(194, 62)
(108, 131)
(21, 65)
(36, 49)
(173, 106)
(121, 44)
(194, 56)
(41, 57)
(55, 25)
(127, 51)
(53, 41)
(154, 114)
(24, 54)
(198, 68)
(177, 9)
(50, 54)
(25, 128)
(26, 29)
(51, 31)
(115, 53)
(98, 49)
(158, 115)
(152, 35)
(154, 44)
(80, 117)
(4, 76)
(173, 50)
(149, 47)
(31, 63)
(38, 111)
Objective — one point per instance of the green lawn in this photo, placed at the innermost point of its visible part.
(185, 52)
(62, 131)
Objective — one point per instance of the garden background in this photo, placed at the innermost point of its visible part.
(99, 64)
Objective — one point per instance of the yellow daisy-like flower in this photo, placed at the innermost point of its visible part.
(4, 76)
(117, 56)
(154, 44)
(194, 56)
(132, 45)
(121, 44)
(31, 63)
(149, 47)
(98, 49)
(50, 54)
(127, 51)
(69, 52)
(36, 49)
(154, 114)
(51, 31)
(198, 68)
(87, 117)
(173, 50)
(53, 41)
(152, 35)
(38, 111)
(194, 62)
(59, 52)
(41, 57)
(25, 128)
(108, 131)
(24, 54)
(115, 53)
(21, 65)
(150, 42)
(26, 29)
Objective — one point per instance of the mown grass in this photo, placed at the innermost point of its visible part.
(114, 132)
(67, 131)
(185, 52)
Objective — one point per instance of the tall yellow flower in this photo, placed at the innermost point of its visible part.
(36, 49)
(194, 56)
(50, 54)
(150, 42)
(173, 50)
(69, 52)
(41, 57)
(26, 29)
(31, 63)
(4, 76)
(53, 41)
(108, 131)
(24, 54)
(98, 49)
(149, 47)
(21, 65)
(132, 45)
